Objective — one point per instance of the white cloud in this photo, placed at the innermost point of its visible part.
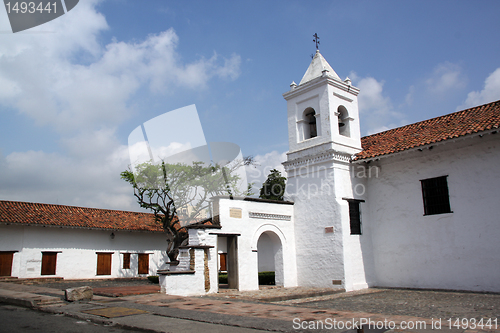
(231, 68)
(490, 92)
(62, 77)
(53, 178)
(67, 80)
(376, 110)
(161, 153)
(446, 77)
(409, 98)
(264, 164)
(371, 97)
(96, 143)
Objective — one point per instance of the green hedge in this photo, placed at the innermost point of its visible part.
(266, 278)
(223, 278)
(154, 279)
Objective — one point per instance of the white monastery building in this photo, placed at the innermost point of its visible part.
(41, 240)
(411, 207)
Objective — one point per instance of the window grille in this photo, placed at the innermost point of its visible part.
(435, 196)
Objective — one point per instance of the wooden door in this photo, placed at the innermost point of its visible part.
(49, 263)
(104, 263)
(6, 263)
(222, 262)
(143, 263)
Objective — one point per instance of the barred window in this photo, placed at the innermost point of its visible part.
(354, 215)
(435, 195)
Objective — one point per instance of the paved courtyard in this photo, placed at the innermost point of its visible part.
(418, 303)
(259, 310)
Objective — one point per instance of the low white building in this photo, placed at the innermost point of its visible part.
(251, 235)
(430, 216)
(42, 240)
(410, 207)
(414, 207)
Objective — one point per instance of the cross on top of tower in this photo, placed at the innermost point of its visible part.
(316, 40)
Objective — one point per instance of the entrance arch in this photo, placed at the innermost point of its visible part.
(270, 255)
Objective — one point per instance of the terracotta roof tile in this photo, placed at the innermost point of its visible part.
(474, 120)
(78, 217)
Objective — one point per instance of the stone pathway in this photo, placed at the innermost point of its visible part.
(275, 293)
(237, 307)
(420, 303)
(253, 308)
(126, 291)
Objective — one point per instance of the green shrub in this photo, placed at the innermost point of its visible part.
(223, 278)
(266, 278)
(154, 279)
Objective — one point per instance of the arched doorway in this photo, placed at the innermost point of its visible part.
(270, 256)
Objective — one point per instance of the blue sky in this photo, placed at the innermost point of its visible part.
(73, 89)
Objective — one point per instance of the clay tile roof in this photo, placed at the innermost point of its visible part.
(458, 124)
(77, 217)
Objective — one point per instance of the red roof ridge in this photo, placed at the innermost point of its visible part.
(460, 123)
(18, 212)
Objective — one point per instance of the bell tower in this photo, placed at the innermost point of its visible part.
(324, 134)
(322, 111)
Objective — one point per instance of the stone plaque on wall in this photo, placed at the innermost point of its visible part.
(235, 212)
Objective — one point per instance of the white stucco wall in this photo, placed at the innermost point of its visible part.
(222, 245)
(77, 258)
(250, 229)
(324, 95)
(327, 254)
(358, 249)
(319, 253)
(192, 284)
(266, 252)
(206, 237)
(457, 250)
(318, 180)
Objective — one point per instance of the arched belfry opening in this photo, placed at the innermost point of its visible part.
(270, 256)
(309, 124)
(343, 121)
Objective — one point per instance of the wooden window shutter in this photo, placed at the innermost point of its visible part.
(49, 260)
(6, 263)
(104, 263)
(143, 263)
(435, 195)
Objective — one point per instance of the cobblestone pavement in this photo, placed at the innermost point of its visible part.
(286, 315)
(273, 293)
(378, 304)
(419, 303)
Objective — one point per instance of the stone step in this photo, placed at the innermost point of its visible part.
(8, 278)
(51, 304)
(47, 300)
